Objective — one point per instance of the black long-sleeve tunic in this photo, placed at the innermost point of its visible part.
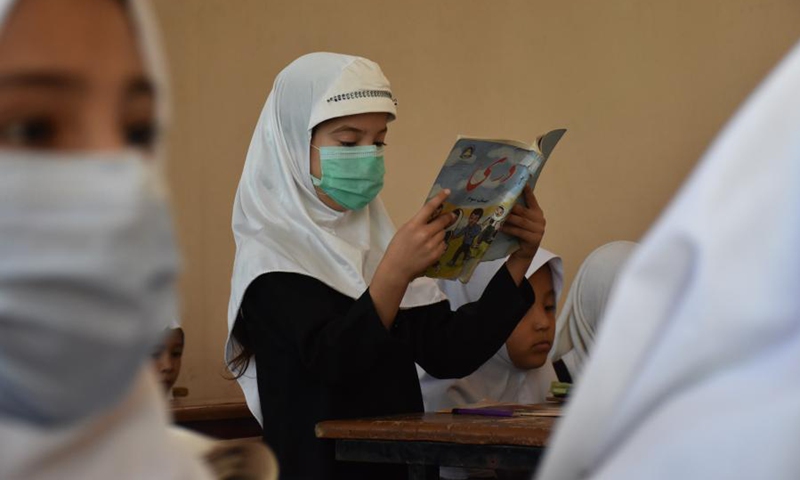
(322, 355)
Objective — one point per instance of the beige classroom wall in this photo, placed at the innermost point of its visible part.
(642, 87)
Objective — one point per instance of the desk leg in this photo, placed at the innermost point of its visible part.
(423, 472)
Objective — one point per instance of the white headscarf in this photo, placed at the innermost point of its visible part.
(695, 372)
(130, 440)
(279, 223)
(577, 324)
(498, 379)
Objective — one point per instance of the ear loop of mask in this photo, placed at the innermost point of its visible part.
(314, 180)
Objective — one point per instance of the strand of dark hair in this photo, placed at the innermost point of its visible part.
(244, 351)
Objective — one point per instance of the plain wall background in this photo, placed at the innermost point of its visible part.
(642, 87)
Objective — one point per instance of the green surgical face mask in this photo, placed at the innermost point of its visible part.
(352, 176)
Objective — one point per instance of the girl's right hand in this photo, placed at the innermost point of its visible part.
(419, 243)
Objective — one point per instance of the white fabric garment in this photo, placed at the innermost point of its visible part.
(695, 372)
(279, 223)
(70, 223)
(229, 459)
(129, 440)
(579, 319)
(498, 379)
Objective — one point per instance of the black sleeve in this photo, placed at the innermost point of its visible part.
(307, 315)
(562, 372)
(454, 344)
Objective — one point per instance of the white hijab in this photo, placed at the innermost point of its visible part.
(279, 223)
(498, 379)
(130, 440)
(695, 372)
(579, 320)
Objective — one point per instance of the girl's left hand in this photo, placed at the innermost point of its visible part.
(527, 224)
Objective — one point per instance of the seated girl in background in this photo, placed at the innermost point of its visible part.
(519, 371)
(168, 355)
(325, 296)
(586, 301)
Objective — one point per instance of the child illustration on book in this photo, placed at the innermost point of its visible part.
(467, 152)
(489, 226)
(469, 233)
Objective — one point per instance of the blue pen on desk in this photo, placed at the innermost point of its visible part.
(488, 412)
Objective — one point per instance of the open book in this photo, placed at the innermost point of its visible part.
(486, 178)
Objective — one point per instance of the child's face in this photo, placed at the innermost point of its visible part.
(167, 358)
(473, 218)
(358, 130)
(531, 341)
(72, 78)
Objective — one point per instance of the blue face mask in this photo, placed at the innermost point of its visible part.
(74, 331)
(351, 176)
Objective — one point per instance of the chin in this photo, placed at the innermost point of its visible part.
(529, 362)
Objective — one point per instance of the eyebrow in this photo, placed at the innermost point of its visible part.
(63, 81)
(347, 128)
(53, 80)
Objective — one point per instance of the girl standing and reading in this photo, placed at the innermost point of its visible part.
(325, 298)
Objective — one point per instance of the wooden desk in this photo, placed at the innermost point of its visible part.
(219, 420)
(425, 441)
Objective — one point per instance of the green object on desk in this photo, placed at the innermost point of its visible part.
(560, 389)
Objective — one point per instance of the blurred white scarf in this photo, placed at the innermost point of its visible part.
(695, 372)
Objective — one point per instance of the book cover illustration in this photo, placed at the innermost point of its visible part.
(486, 178)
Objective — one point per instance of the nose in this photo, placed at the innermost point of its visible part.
(103, 137)
(163, 363)
(100, 127)
(540, 321)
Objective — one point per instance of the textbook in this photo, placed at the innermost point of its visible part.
(485, 178)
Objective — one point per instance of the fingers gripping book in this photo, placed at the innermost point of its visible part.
(486, 178)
